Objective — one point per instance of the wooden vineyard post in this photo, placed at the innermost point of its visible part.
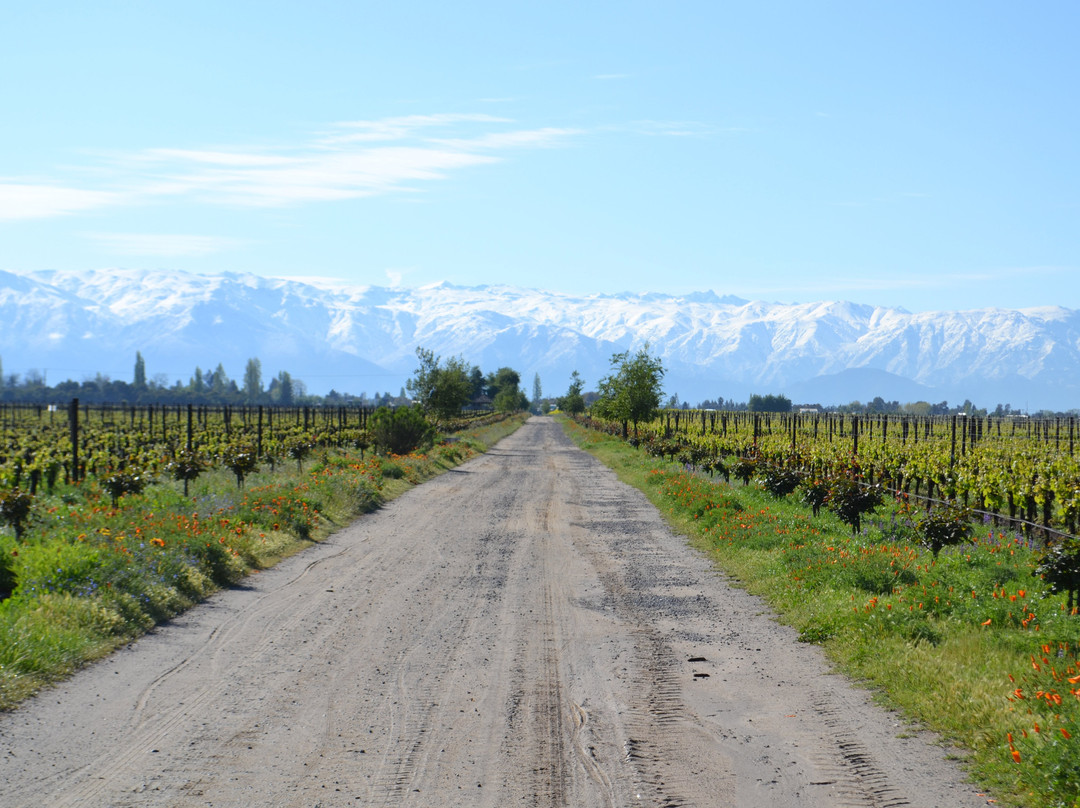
(73, 427)
(190, 417)
(952, 450)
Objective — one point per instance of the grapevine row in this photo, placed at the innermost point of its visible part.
(1023, 470)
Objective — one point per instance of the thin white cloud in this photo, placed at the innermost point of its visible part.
(162, 244)
(354, 159)
(535, 138)
(401, 127)
(29, 201)
(683, 128)
(220, 158)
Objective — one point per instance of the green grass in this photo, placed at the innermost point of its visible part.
(92, 576)
(971, 645)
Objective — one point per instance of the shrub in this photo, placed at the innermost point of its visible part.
(8, 579)
(1060, 568)
(849, 499)
(779, 481)
(743, 468)
(15, 509)
(186, 466)
(241, 460)
(815, 491)
(944, 526)
(122, 483)
(401, 430)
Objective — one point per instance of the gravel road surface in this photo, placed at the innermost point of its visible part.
(523, 630)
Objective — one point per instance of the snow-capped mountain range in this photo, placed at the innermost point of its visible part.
(353, 338)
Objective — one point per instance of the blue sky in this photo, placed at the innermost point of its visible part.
(915, 154)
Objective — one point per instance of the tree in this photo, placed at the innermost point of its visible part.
(572, 402)
(284, 389)
(139, 381)
(632, 392)
(769, 403)
(537, 393)
(502, 387)
(440, 389)
(253, 380)
(220, 384)
(476, 382)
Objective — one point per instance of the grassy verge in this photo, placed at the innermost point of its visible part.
(971, 644)
(92, 575)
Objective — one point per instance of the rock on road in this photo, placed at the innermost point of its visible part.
(523, 630)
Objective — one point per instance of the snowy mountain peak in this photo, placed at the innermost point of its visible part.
(359, 338)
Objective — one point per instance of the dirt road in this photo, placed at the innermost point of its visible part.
(523, 630)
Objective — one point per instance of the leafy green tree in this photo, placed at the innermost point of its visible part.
(476, 381)
(139, 381)
(253, 380)
(633, 390)
(441, 389)
(504, 390)
(198, 382)
(220, 384)
(769, 403)
(537, 393)
(283, 389)
(573, 402)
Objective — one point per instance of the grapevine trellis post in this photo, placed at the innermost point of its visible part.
(73, 426)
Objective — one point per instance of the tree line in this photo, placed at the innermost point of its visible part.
(498, 390)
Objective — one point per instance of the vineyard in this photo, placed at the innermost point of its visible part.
(42, 444)
(1016, 473)
(855, 530)
(115, 518)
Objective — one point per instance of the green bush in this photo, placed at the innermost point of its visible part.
(944, 526)
(401, 430)
(15, 508)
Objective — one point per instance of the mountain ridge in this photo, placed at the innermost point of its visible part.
(362, 338)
